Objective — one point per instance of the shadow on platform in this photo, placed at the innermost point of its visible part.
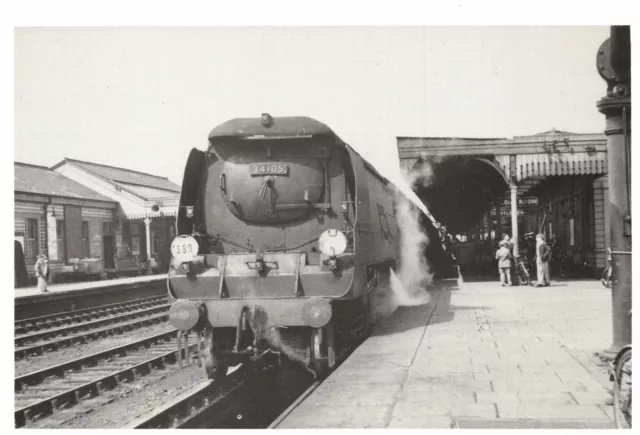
(405, 318)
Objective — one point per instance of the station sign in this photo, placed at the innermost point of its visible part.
(525, 201)
(506, 212)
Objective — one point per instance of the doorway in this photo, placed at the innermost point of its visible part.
(108, 245)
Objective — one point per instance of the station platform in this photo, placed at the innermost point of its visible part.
(78, 286)
(478, 355)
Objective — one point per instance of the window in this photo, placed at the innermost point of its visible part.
(85, 239)
(107, 228)
(32, 239)
(60, 240)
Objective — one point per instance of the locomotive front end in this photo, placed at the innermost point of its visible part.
(265, 241)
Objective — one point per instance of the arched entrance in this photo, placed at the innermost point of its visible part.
(552, 182)
(460, 192)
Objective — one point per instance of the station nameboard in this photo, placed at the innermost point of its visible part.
(525, 201)
(506, 212)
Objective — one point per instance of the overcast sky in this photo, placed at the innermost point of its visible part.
(141, 98)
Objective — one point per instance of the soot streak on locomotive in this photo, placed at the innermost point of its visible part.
(282, 233)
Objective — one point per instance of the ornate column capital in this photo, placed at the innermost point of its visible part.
(613, 105)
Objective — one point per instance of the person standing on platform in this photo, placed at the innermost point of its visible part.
(507, 240)
(543, 255)
(42, 272)
(509, 245)
(503, 255)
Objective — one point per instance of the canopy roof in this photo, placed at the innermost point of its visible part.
(143, 184)
(40, 180)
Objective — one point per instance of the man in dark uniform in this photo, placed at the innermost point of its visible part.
(21, 275)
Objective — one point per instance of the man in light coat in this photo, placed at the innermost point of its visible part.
(42, 272)
(503, 255)
(543, 255)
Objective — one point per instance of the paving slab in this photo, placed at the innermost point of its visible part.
(491, 357)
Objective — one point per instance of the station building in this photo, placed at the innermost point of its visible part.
(60, 217)
(88, 213)
(556, 179)
(147, 208)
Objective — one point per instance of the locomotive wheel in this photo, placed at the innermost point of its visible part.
(322, 350)
(215, 366)
(320, 365)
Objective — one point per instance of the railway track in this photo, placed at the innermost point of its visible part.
(88, 296)
(42, 393)
(47, 346)
(275, 423)
(26, 326)
(250, 397)
(56, 338)
(23, 340)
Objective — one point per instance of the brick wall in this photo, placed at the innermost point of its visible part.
(601, 219)
(42, 234)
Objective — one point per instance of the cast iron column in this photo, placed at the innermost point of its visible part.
(147, 225)
(613, 63)
(514, 218)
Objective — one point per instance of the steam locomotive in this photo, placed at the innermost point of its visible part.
(283, 230)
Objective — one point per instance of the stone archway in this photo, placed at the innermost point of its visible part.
(458, 189)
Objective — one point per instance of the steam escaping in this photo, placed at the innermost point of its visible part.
(275, 339)
(408, 286)
(262, 329)
(414, 274)
(422, 173)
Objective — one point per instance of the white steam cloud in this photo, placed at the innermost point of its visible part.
(414, 274)
(408, 286)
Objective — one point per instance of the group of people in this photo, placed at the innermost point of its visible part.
(504, 255)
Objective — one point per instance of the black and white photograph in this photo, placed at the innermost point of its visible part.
(340, 226)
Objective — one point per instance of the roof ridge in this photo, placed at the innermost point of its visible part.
(554, 131)
(451, 137)
(116, 167)
(32, 165)
(145, 185)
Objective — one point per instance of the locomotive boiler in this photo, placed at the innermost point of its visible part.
(283, 230)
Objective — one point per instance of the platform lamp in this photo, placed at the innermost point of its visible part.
(613, 62)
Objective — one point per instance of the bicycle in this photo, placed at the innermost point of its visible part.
(607, 274)
(620, 375)
(522, 273)
(560, 262)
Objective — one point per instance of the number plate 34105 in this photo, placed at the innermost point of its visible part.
(268, 169)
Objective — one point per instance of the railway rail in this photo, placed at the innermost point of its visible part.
(26, 326)
(91, 295)
(41, 347)
(41, 393)
(250, 397)
(23, 340)
(275, 423)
